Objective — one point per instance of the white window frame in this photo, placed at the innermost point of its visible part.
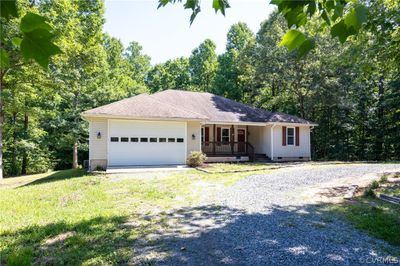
(229, 134)
(287, 136)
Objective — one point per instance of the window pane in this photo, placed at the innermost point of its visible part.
(225, 132)
(114, 139)
(153, 139)
(134, 139)
(143, 139)
(290, 136)
(179, 140)
(225, 135)
(171, 139)
(162, 140)
(124, 139)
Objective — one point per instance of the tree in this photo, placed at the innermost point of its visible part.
(78, 71)
(173, 74)
(232, 78)
(21, 41)
(139, 66)
(203, 66)
(342, 18)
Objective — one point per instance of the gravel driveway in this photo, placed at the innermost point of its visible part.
(264, 220)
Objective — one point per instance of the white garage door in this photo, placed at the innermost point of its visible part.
(146, 142)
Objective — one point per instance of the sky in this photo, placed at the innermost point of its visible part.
(166, 33)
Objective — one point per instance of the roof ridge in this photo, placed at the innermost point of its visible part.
(176, 107)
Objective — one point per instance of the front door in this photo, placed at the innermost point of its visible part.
(241, 137)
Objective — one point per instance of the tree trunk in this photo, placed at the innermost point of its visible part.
(379, 143)
(14, 166)
(75, 156)
(24, 153)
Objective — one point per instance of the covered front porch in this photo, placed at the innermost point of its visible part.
(227, 143)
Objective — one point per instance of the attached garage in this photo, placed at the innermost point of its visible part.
(146, 142)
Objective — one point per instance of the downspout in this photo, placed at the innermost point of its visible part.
(272, 142)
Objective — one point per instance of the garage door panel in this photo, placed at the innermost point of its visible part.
(146, 153)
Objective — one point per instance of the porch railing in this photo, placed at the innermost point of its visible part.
(228, 148)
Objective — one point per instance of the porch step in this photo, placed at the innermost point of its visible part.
(262, 158)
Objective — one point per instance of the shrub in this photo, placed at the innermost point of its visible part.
(369, 193)
(196, 158)
(99, 168)
(384, 178)
(374, 184)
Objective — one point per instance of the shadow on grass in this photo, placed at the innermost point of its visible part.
(204, 235)
(59, 175)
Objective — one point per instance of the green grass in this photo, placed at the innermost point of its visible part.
(378, 218)
(71, 217)
(237, 167)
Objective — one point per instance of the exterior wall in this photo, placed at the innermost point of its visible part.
(259, 137)
(193, 128)
(292, 152)
(227, 159)
(267, 140)
(98, 147)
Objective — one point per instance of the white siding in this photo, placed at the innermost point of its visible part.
(98, 147)
(259, 138)
(193, 128)
(290, 151)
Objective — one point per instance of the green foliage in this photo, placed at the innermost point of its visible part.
(374, 184)
(37, 37)
(344, 18)
(8, 9)
(383, 179)
(4, 60)
(369, 193)
(196, 158)
(194, 5)
(377, 218)
(173, 74)
(203, 66)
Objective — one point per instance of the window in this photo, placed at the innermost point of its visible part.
(162, 140)
(202, 134)
(179, 140)
(153, 139)
(171, 139)
(124, 139)
(134, 139)
(114, 139)
(225, 136)
(143, 140)
(290, 135)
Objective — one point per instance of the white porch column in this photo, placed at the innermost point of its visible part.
(272, 142)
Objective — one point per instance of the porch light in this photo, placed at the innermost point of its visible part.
(193, 136)
(98, 135)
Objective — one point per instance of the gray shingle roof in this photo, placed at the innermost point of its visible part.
(191, 105)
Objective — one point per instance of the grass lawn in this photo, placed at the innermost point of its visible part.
(236, 167)
(378, 218)
(71, 217)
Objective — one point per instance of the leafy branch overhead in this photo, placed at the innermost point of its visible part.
(194, 5)
(343, 17)
(36, 42)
